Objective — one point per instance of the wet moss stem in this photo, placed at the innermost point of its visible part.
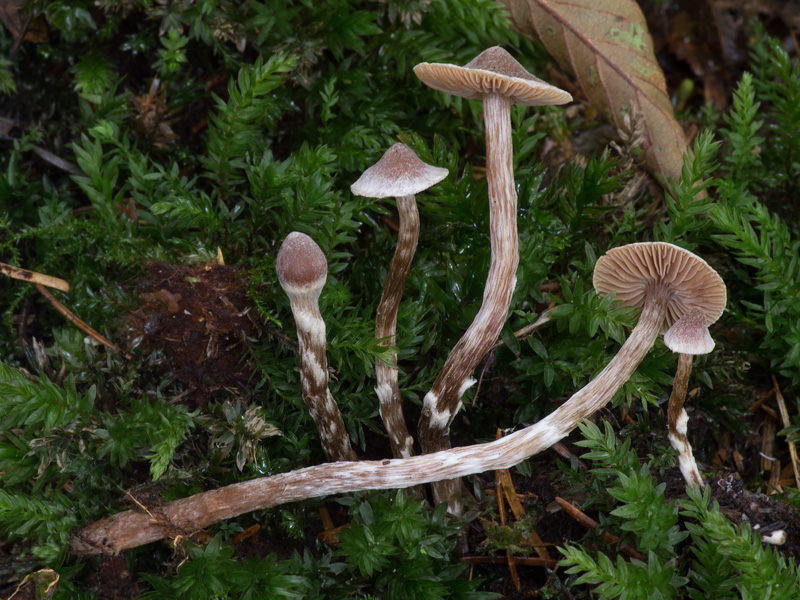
(388, 389)
(133, 528)
(444, 399)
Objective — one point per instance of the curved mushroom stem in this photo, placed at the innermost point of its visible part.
(442, 402)
(677, 421)
(388, 390)
(133, 528)
(321, 404)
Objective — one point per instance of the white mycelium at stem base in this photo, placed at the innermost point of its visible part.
(497, 79)
(666, 279)
(302, 271)
(399, 173)
(688, 336)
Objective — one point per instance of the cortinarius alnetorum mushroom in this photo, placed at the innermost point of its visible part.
(302, 271)
(688, 336)
(667, 282)
(498, 80)
(399, 173)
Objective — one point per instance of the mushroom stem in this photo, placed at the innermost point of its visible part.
(132, 528)
(314, 377)
(388, 389)
(677, 421)
(302, 269)
(602, 388)
(444, 399)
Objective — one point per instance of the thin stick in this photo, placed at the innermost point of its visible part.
(585, 520)
(528, 561)
(34, 277)
(787, 423)
(69, 316)
(544, 317)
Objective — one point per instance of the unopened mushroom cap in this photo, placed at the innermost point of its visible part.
(634, 269)
(301, 264)
(399, 172)
(689, 334)
(492, 71)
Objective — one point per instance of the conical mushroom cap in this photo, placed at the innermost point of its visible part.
(636, 269)
(493, 71)
(399, 172)
(689, 334)
(301, 264)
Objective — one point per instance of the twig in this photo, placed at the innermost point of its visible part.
(501, 509)
(565, 453)
(528, 329)
(574, 512)
(768, 443)
(246, 534)
(528, 561)
(33, 277)
(519, 334)
(77, 322)
(787, 423)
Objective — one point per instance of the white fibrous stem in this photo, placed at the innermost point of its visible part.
(388, 389)
(133, 528)
(314, 377)
(677, 421)
(485, 328)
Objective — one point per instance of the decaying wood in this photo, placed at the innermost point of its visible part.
(34, 277)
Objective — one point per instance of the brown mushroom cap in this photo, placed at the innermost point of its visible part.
(399, 172)
(689, 334)
(636, 269)
(301, 264)
(492, 71)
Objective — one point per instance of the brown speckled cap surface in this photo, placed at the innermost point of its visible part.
(399, 172)
(492, 71)
(301, 264)
(630, 270)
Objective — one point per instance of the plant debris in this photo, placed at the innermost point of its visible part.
(199, 316)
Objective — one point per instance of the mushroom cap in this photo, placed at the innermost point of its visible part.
(689, 334)
(301, 264)
(493, 71)
(632, 270)
(399, 172)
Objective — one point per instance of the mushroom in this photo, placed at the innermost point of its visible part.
(668, 281)
(302, 271)
(402, 174)
(497, 79)
(688, 336)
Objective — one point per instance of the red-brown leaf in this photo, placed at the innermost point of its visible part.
(606, 45)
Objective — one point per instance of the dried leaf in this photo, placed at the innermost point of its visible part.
(21, 26)
(607, 46)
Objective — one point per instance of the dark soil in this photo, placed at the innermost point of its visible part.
(199, 316)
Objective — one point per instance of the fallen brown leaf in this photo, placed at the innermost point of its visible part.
(606, 45)
(22, 26)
